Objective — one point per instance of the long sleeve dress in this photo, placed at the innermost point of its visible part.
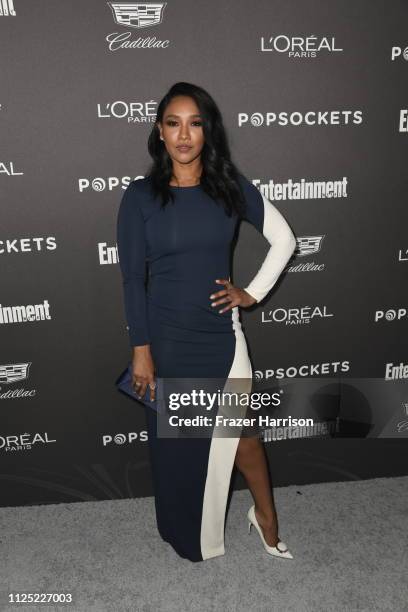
(181, 250)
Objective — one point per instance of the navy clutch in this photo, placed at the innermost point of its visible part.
(124, 384)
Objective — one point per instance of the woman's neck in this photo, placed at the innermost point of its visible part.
(184, 181)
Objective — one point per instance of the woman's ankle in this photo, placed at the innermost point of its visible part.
(266, 521)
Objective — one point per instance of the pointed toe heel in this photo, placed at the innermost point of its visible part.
(280, 550)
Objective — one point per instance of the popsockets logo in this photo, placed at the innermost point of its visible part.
(108, 183)
(121, 439)
(11, 246)
(305, 370)
(297, 118)
(399, 52)
(392, 314)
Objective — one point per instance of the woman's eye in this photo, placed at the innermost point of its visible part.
(172, 123)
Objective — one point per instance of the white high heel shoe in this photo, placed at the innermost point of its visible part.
(271, 550)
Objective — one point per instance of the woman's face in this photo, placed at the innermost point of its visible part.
(182, 125)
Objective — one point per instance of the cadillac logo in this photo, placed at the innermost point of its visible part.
(136, 14)
(309, 244)
(12, 372)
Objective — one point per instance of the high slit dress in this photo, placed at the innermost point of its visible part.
(169, 260)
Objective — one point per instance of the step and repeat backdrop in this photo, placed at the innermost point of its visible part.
(314, 99)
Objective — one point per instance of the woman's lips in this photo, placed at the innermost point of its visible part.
(184, 148)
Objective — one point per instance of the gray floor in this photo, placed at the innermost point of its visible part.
(349, 541)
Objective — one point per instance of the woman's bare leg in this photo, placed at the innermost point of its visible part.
(251, 461)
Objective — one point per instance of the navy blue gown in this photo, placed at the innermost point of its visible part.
(169, 260)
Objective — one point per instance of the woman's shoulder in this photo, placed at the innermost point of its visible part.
(139, 185)
(137, 192)
(138, 198)
(133, 196)
(247, 186)
(252, 195)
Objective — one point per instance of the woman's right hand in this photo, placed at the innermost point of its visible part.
(143, 371)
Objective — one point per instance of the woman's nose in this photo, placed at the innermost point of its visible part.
(184, 133)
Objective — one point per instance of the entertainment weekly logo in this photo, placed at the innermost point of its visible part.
(304, 371)
(107, 255)
(403, 120)
(396, 372)
(299, 47)
(132, 112)
(297, 118)
(136, 15)
(11, 373)
(26, 313)
(303, 189)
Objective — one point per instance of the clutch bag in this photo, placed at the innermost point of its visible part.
(124, 384)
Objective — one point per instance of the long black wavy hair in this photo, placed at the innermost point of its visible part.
(219, 178)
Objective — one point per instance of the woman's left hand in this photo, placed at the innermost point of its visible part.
(234, 296)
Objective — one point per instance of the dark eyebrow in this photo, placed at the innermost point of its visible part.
(172, 115)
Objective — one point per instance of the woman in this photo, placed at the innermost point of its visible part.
(181, 219)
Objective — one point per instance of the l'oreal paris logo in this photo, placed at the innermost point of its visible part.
(299, 46)
(403, 255)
